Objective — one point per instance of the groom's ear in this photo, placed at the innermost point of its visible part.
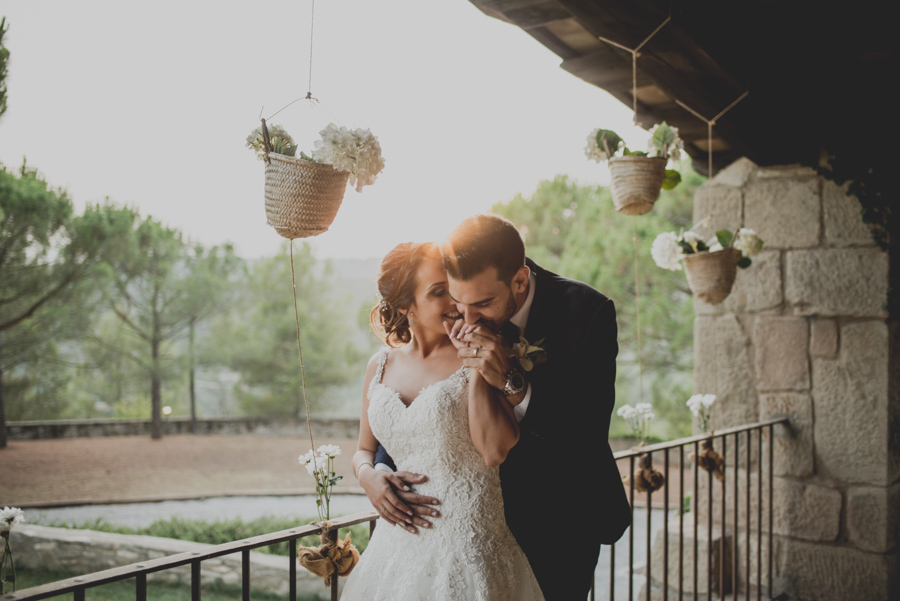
(520, 280)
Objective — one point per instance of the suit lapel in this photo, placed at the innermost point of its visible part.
(539, 317)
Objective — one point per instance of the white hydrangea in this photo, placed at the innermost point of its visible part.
(594, 152)
(356, 152)
(747, 242)
(9, 517)
(666, 252)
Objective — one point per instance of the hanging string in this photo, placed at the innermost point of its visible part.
(637, 304)
(303, 371)
(314, 101)
(635, 53)
(312, 20)
(709, 126)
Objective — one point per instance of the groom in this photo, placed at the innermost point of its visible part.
(563, 404)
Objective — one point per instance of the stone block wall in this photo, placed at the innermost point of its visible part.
(805, 334)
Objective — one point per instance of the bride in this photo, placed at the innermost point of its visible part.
(435, 417)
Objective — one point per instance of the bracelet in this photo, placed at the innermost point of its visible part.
(361, 466)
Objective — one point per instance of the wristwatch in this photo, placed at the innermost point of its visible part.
(515, 382)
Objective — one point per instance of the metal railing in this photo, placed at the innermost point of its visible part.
(733, 492)
(726, 582)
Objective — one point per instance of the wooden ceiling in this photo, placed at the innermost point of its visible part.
(819, 75)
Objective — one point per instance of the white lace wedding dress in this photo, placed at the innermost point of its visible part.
(469, 554)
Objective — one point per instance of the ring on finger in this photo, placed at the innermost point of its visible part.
(475, 353)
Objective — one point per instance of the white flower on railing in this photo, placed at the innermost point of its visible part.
(638, 418)
(9, 517)
(700, 405)
(320, 465)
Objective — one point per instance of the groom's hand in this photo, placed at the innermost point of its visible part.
(482, 349)
(391, 494)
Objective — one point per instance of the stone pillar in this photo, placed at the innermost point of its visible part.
(805, 334)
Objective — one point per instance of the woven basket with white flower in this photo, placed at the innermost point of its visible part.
(303, 194)
(637, 176)
(711, 265)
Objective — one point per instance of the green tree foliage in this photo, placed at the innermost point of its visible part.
(575, 231)
(4, 59)
(258, 338)
(47, 256)
(160, 287)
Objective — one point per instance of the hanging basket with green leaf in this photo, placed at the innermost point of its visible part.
(637, 176)
(711, 265)
(303, 194)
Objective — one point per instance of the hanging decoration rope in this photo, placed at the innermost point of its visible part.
(302, 197)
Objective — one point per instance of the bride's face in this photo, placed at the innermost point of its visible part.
(433, 305)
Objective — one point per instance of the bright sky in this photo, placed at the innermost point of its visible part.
(149, 104)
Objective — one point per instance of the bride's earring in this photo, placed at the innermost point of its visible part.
(411, 319)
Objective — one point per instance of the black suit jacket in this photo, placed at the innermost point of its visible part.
(562, 467)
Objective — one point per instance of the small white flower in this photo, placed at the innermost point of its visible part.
(329, 450)
(645, 410)
(594, 152)
(666, 252)
(626, 412)
(9, 517)
(747, 242)
(699, 404)
(713, 244)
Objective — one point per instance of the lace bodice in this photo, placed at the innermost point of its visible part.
(469, 554)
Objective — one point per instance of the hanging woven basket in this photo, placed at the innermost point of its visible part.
(636, 182)
(302, 197)
(711, 274)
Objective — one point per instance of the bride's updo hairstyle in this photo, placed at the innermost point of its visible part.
(397, 289)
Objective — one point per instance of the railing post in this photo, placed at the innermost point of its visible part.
(245, 574)
(292, 570)
(140, 587)
(332, 536)
(195, 580)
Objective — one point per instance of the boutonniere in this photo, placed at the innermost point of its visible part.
(528, 354)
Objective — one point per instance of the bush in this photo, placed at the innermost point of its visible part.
(226, 531)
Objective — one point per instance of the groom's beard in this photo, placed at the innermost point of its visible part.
(495, 325)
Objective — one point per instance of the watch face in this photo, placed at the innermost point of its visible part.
(516, 381)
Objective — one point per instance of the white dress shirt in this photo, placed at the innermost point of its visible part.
(519, 320)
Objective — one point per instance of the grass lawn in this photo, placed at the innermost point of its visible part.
(125, 590)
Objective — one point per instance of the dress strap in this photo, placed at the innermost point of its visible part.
(379, 373)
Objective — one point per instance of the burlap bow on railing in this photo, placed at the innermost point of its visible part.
(710, 460)
(647, 479)
(332, 557)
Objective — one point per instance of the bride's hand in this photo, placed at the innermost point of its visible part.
(391, 495)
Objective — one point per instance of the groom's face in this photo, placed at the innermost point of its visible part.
(483, 299)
